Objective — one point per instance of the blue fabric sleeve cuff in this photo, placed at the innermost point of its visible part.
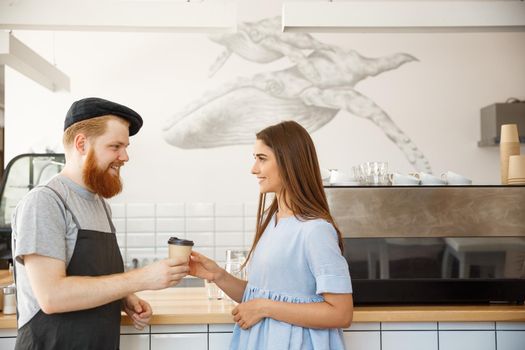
(333, 284)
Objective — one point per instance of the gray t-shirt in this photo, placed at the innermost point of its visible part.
(42, 225)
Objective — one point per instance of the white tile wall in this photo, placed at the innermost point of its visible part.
(168, 210)
(229, 224)
(143, 229)
(118, 210)
(199, 224)
(229, 239)
(120, 225)
(140, 210)
(143, 240)
(250, 209)
(201, 239)
(171, 225)
(249, 223)
(140, 225)
(199, 209)
(229, 209)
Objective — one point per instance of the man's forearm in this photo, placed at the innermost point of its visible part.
(57, 292)
(72, 293)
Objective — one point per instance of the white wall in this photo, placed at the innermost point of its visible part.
(436, 101)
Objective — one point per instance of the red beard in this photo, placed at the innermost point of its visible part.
(100, 180)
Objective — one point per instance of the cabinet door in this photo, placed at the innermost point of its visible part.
(356, 340)
(134, 342)
(195, 341)
(459, 340)
(220, 341)
(7, 343)
(511, 340)
(409, 340)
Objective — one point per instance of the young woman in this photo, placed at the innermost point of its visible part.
(298, 293)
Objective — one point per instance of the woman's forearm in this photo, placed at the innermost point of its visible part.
(312, 315)
(231, 285)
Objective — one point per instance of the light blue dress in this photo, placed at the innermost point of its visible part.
(295, 261)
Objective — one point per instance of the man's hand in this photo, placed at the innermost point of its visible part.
(138, 310)
(163, 274)
(56, 292)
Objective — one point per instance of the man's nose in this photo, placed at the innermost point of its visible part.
(124, 155)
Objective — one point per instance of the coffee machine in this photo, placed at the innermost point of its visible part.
(433, 244)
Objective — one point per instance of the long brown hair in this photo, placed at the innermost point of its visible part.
(302, 187)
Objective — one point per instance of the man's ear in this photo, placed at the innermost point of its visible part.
(80, 143)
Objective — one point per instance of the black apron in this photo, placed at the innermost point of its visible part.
(96, 254)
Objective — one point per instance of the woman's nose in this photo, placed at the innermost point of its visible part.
(254, 169)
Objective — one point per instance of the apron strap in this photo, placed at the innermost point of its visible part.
(108, 216)
(65, 205)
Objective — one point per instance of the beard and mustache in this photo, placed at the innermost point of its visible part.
(101, 181)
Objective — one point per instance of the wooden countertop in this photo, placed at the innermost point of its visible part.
(5, 278)
(191, 306)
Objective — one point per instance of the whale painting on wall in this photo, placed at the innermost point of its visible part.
(319, 83)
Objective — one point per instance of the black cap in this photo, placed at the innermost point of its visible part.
(180, 241)
(93, 107)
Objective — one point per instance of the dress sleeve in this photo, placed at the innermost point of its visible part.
(39, 226)
(325, 260)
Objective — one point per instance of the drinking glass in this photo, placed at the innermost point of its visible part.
(374, 173)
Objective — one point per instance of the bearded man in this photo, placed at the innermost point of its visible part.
(71, 284)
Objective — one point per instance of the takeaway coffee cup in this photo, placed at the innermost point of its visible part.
(179, 247)
(516, 170)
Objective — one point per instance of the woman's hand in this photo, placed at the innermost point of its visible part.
(249, 313)
(138, 310)
(205, 268)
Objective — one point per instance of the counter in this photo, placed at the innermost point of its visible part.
(191, 306)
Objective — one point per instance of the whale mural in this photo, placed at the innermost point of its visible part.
(319, 83)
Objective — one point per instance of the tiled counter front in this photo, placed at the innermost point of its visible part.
(184, 318)
(361, 336)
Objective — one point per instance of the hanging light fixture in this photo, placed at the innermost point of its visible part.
(129, 15)
(16, 55)
(403, 16)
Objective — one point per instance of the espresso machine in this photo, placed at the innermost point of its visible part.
(433, 244)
